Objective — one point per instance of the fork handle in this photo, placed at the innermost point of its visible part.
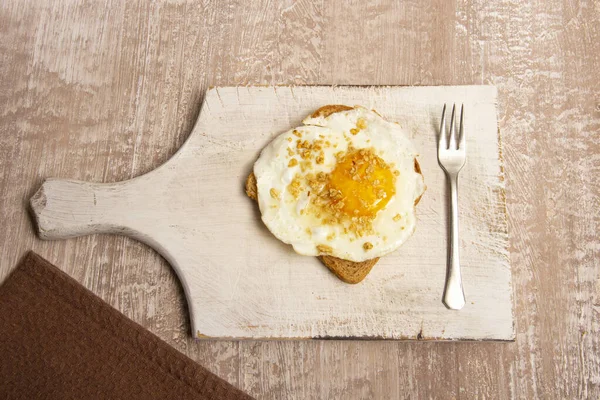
(454, 297)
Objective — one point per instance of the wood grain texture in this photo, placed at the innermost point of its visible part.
(105, 91)
(240, 282)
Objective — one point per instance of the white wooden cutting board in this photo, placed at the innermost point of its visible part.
(240, 282)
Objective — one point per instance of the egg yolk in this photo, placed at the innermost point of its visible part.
(365, 181)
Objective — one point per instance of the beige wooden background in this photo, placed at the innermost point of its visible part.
(107, 90)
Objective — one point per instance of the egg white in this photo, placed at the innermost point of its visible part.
(281, 212)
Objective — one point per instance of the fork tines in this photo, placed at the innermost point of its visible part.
(451, 144)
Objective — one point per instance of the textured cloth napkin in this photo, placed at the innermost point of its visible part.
(58, 340)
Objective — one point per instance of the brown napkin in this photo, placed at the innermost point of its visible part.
(58, 340)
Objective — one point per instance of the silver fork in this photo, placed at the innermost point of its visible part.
(452, 156)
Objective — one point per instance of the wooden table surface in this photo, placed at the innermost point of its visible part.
(108, 90)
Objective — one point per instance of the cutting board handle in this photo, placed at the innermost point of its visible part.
(69, 208)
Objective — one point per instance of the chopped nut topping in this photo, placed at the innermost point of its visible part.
(295, 187)
(293, 162)
(302, 144)
(323, 248)
(304, 166)
(361, 124)
(274, 193)
(397, 217)
(367, 246)
(354, 131)
(329, 221)
(297, 133)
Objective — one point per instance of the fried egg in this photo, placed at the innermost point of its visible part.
(343, 185)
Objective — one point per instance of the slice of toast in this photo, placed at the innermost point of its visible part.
(348, 271)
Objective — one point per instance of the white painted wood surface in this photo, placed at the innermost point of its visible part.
(240, 282)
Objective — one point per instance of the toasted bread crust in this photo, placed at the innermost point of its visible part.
(417, 167)
(349, 271)
(326, 111)
(418, 199)
(418, 171)
(251, 188)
